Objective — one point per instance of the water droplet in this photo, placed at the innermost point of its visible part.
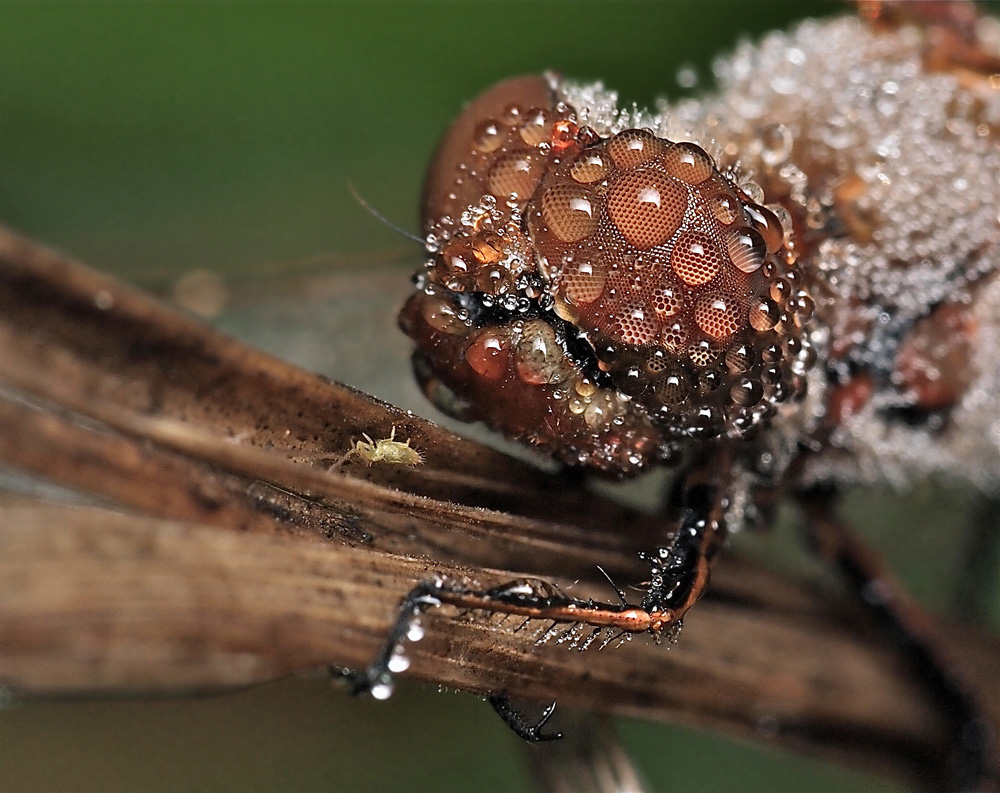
(689, 163)
(415, 632)
(747, 249)
(695, 258)
(570, 211)
(487, 354)
(764, 315)
(753, 191)
(589, 167)
(515, 175)
(398, 662)
(382, 690)
(537, 127)
(488, 136)
(726, 208)
(746, 392)
(767, 224)
(634, 147)
(646, 207)
(717, 315)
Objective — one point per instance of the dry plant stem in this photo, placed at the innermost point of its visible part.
(70, 334)
(118, 396)
(95, 602)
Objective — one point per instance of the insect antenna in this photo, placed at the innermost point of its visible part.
(382, 218)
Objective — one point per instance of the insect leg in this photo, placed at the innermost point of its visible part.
(377, 678)
(680, 567)
(513, 718)
(913, 629)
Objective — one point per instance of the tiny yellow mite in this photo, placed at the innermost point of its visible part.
(387, 450)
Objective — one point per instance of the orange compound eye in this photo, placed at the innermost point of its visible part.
(476, 139)
(652, 255)
(607, 299)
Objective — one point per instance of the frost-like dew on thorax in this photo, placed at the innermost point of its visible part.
(893, 176)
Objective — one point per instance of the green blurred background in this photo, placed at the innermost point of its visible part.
(153, 140)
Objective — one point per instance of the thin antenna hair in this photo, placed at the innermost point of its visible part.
(614, 586)
(380, 217)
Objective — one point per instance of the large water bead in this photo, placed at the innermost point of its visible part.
(488, 136)
(717, 315)
(635, 325)
(802, 308)
(701, 353)
(667, 301)
(746, 392)
(646, 207)
(631, 381)
(709, 381)
(583, 281)
(634, 147)
(539, 358)
(696, 258)
(740, 357)
(673, 388)
(589, 167)
(570, 212)
(564, 134)
(488, 353)
(726, 208)
(657, 363)
(597, 413)
(512, 114)
(705, 421)
(487, 247)
(494, 279)
(766, 223)
(747, 249)
(455, 266)
(675, 336)
(688, 162)
(516, 175)
(780, 289)
(764, 315)
(442, 315)
(537, 127)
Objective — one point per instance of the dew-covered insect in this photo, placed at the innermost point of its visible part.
(387, 450)
(788, 285)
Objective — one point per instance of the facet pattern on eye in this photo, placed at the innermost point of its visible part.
(647, 265)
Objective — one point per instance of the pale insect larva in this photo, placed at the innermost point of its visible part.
(387, 450)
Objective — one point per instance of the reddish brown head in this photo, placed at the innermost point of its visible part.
(609, 298)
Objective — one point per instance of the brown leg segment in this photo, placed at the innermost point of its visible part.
(680, 571)
(916, 633)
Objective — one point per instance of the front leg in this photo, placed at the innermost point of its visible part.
(680, 568)
(680, 571)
